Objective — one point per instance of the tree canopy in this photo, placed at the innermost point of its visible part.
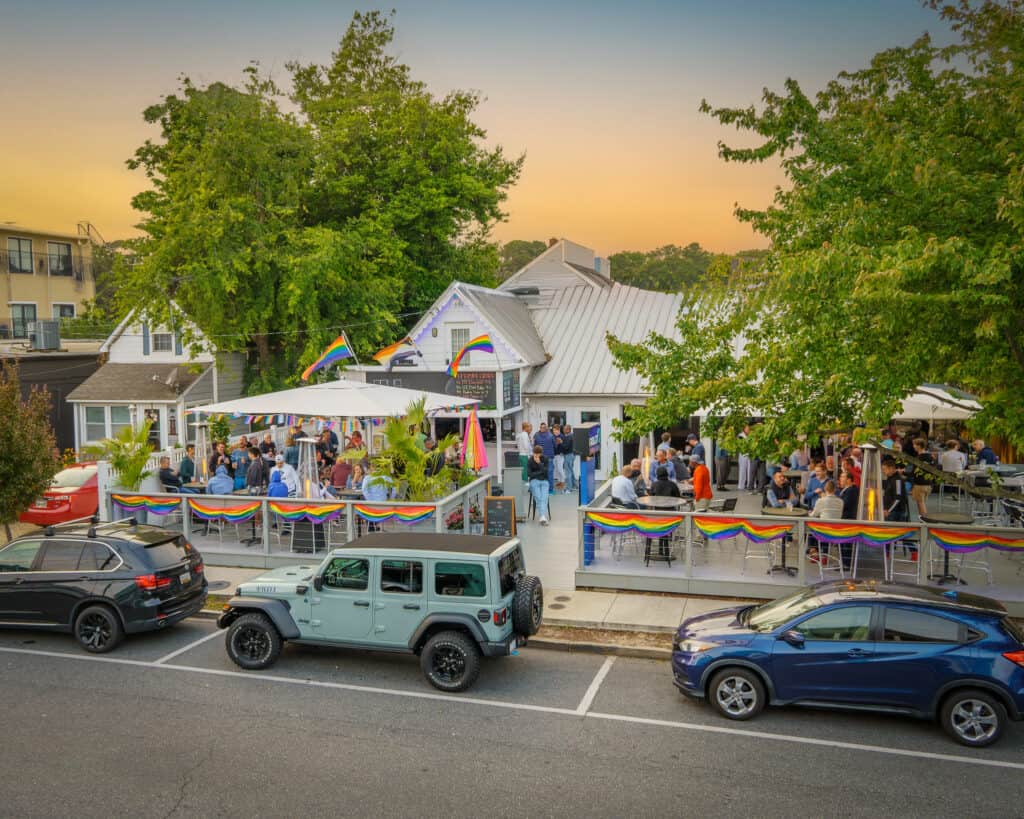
(516, 254)
(669, 269)
(273, 229)
(896, 256)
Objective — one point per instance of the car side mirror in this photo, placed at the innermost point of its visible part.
(318, 582)
(793, 637)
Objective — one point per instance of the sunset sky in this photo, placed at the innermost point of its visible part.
(601, 96)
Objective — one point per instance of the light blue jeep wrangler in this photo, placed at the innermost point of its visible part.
(448, 598)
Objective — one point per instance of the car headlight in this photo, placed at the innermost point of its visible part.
(692, 646)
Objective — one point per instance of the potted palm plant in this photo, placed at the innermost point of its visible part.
(128, 452)
(403, 458)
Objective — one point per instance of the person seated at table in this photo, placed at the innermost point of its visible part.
(780, 493)
(268, 449)
(221, 483)
(682, 470)
(952, 459)
(983, 454)
(340, 472)
(355, 478)
(701, 483)
(170, 479)
(639, 482)
(219, 457)
(624, 490)
(827, 507)
(664, 486)
(660, 461)
(187, 467)
(815, 486)
(326, 451)
(288, 475)
(277, 488)
(257, 475)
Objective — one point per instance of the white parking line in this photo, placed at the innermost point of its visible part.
(588, 698)
(189, 647)
(520, 706)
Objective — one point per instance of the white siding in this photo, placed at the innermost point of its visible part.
(127, 348)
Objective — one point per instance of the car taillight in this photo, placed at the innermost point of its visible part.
(500, 617)
(198, 568)
(59, 499)
(150, 582)
(1015, 657)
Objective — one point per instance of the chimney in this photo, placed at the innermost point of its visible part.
(552, 241)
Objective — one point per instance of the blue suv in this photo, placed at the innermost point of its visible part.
(861, 645)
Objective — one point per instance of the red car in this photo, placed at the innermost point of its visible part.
(74, 494)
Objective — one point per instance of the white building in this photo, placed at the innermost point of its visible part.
(148, 373)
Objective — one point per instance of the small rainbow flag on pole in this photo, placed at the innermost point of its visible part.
(339, 350)
(480, 343)
(399, 351)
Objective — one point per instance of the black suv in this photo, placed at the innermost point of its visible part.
(100, 581)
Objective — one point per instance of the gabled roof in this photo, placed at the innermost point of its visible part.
(565, 256)
(126, 322)
(136, 382)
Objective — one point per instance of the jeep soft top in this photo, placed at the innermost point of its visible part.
(430, 542)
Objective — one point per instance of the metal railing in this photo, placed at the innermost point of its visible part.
(28, 263)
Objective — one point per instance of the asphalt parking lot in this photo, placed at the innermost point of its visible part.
(604, 729)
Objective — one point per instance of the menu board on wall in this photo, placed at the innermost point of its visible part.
(511, 394)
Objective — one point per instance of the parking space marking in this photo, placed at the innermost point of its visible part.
(189, 647)
(595, 685)
(521, 706)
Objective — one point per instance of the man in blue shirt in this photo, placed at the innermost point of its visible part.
(546, 441)
(984, 454)
(696, 447)
(661, 460)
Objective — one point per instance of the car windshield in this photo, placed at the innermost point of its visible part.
(770, 616)
(72, 478)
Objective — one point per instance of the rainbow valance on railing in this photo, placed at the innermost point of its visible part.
(719, 528)
(382, 514)
(230, 512)
(138, 503)
(957, 541)
(617, 523)
(314, 513)
(830, 531)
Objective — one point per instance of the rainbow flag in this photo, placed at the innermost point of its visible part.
(617, 523)
(236, 513)
(828, 531)
(719, 528)
(338, 351)
(158, 506)
(955, 541)
(314, 513)
(480, 343)
(382, 514)
(398, 351)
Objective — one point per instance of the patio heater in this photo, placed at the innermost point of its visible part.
(869, 503)
(309, 480)
(202, 438)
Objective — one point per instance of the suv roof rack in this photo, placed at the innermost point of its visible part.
(131, 522)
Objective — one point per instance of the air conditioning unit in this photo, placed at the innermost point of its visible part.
(44, 334)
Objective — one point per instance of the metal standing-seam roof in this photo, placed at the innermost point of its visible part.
(509, 316)
(573, 326)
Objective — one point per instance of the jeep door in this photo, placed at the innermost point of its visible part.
(342, 610)
(399, 602)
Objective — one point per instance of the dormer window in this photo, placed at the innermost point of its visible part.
(163, 342)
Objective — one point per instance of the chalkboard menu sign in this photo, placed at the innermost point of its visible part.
(500, 515)
(479, 385)
(511, 394)
(467, 384)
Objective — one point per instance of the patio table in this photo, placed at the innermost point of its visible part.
(661, 502)
(784, 511)
(949, 519)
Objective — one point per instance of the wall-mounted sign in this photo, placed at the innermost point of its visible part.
(468, 384)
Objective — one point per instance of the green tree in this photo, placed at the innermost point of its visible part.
(669, 269)
(27, 443)
(896, 255)
(516, 254)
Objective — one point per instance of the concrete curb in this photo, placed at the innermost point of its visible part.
(606, 626)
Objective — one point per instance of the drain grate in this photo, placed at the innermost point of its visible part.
(556, 605)
(564, 598)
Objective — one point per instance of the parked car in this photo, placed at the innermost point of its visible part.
(100, 581)
(74, 494)
(859, 644)
(451, 599)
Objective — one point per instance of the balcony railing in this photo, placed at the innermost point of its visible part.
(25, 263)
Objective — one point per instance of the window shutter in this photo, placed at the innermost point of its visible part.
(145, 338)
(177, 342)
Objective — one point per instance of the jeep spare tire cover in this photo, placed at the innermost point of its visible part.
(528, 605)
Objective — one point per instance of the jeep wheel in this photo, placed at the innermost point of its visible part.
(98, 630)
(528, 605)
(450, 661)
(253, 642)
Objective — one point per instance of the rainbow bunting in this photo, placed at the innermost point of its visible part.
(958, 541)
(314, 513)
(382, 514)
(719, 528)
(338, 351)
(864, 533)
(232, 514)
(480, 343)
(136, 503)
(617, 523)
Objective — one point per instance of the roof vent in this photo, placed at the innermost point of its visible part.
(524, 291)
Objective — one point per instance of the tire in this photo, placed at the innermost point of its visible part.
(973, 718)
(450, 661)
(737, 693)
(528, 605)
(98, 629)
(253, 642)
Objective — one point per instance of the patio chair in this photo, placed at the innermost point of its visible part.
(758, 551)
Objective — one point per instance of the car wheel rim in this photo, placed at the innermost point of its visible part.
(736, 696)
(252, 644)
(974, 720)
(95, 631)
(538, 608)
(448, 663)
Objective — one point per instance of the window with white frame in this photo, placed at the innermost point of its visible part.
(59, 254)
(19, 255)
(120, 417)
(63, 311)
(163, 342)
(460, 338)
(95, 423)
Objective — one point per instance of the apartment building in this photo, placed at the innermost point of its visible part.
(45, 275)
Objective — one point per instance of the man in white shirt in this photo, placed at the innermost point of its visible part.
(952, 459)
(289, 477)
(524, 445)
(623, 492)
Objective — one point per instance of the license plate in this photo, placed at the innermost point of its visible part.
(41, 504)
(185, 578)
(512, 647)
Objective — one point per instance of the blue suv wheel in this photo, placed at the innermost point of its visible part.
(737, 693)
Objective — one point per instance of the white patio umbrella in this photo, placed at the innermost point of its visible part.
(936, 403)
